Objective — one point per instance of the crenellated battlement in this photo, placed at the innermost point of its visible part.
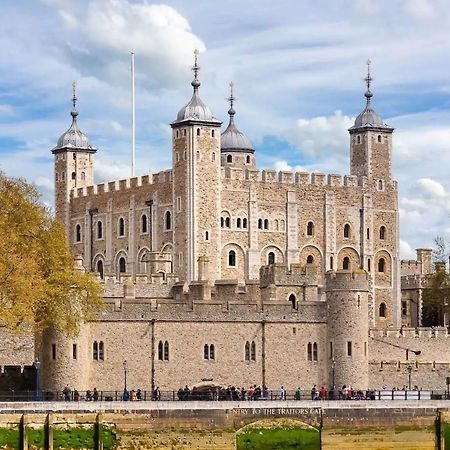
(297, 178)
(295, 275)
(345, 280)
(404, 334)
(412, 281)
(124, 184)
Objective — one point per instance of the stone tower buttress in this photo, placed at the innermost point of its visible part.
(371, 142)
(74, 166)
(196, 187)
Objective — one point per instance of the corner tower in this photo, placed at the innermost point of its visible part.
(236, 148)
(196, 186)
(371, 142)
(74, 165)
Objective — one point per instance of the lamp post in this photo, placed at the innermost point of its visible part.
(333, 373)
(125, 367)
(37, 392)
(409, 368)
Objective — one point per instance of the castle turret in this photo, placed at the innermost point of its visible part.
(196, 186)
(371, 142)
(236, 148)
(74, 166)
(348, 329)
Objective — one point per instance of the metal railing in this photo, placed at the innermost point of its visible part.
(217, 395)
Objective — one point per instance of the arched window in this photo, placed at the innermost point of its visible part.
(266, 224)
(247, 159)
(160, 351)
(121, 227)
(100, 268)
(95, 351)
(331, 263)
(101, 351)
(310, 259)
(271, 258)
(358, 139)
(212, 352)
(213, 133)
(382, 310)
(232, 258)
(178, 134)
(166, 351)
(314, 355)
(198, 131)
(346, 230)
(310, 229)
(74, 176)
(260, 224)
(380, 185)
(144, 223)
(167, 221)
(83, 176)
(122, 265)
(78, 233)
(253, 351)
(229, 159)
(379, 138)
(99, 230)
(244, 223)
(206, 351)
(346, 263)
(238, 222)
(381, 265)
(382, 232)
(227, 222)
(310, 352)
(247, 351)
(222, 222)
(293, 300)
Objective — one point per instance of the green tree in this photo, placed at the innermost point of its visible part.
(39, 286)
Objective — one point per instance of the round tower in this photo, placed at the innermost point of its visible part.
(348, 328)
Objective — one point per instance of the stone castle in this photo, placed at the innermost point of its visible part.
(216, 270)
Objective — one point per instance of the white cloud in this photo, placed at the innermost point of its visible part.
(431, 188)
(406, 252)
(44, 183)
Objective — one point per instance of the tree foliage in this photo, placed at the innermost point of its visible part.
(39, 286)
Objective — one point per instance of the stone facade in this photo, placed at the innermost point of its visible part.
(217, 270)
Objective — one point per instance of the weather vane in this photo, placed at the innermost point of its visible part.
(74, 94)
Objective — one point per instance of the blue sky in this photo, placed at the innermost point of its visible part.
(297, 67)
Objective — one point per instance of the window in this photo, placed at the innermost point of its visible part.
(178, 204)
(238, 223)
(310, 229)
(404, 308)
(229, 159)
(100, 268)
(177, 134)
(222, 222)
(122, 265)
(184, 133)
(198, 131)
(78, 233)
(83, 176)
(180, 259)
(247, 351)
(213, 156)
(144, 223)
(310, 351)
(74, 156)
(368, 265)
(74, 176)
(253, 351)
(232, 258)
(227, 222)
(379, 138)
(382, 310)
(99, 230)
(358, 139)
(380, 185)
(368, 233)
(346, 230)
(247, 159)
(244, 223)
(331, 350)
(206, 235)
(266, 224)
(314, 351)
(101, 351)
(95, 351)
(53, 351)
(349, 348)
(382, 232)
(163, 351)
(74, 351)
(260, 224)
(346, 263)
(121, 230)
(167, 221)
(293, 300)
(209, 352)
(381, 265)
(310, 259)
(331, 263)
(213, 133)
(271, 258)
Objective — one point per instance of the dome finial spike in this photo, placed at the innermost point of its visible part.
(368, 94)
(195, 83)
(231, 99)
(74, 112)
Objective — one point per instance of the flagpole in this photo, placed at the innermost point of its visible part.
(133, 118)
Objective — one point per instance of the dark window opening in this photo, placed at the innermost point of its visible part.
(53, 351)
(310, 352)
(382, 232)
(74, 176)
(229, 159)
(213, 133)
(293, 300)
(99, 230)
(266, 224)
(78, 233)
(122, 265)
(310, 259)
(101, 351)
(260, 224)
(167, 220)
(232, 258)
(100, 268)
(382, 310)
(271, 258)
(381, 265)
(310, 229)
(238, 223)
(253, 351)
(314, 355)
(74, 351)
(248, 159)
(346, 230)
(227, 222)
(198, 131)
(144, 223)
(346, 263)
(247, 351)
(349, 348)
(95, 351)
(121, 227)
(244, 223)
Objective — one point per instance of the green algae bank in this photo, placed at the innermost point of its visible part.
(279, 425)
